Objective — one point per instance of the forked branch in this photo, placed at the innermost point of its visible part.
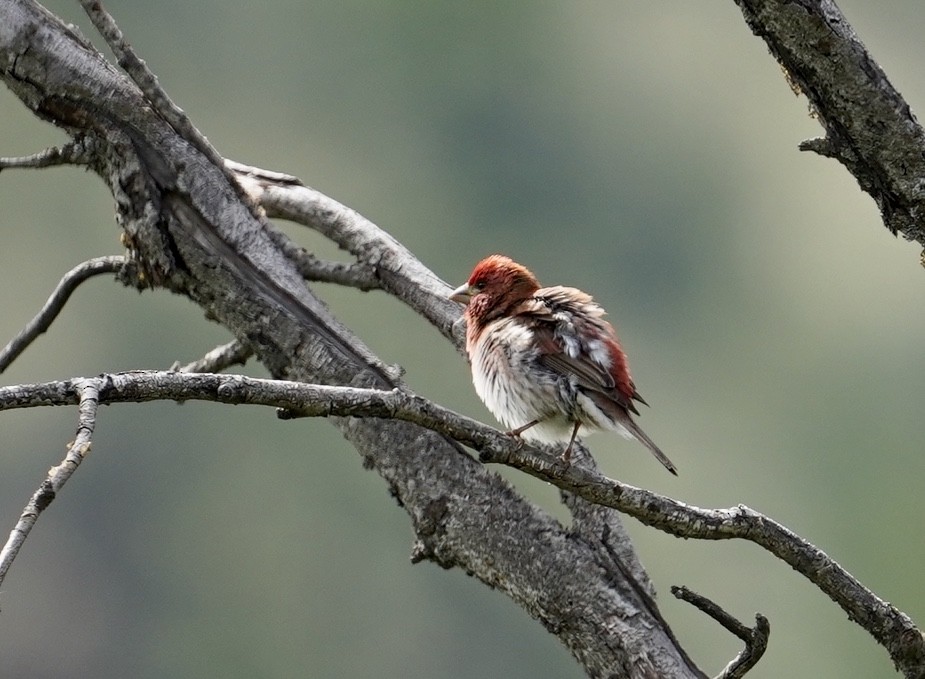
(85, 393)
(755, 638)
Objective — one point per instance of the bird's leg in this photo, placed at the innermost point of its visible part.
(515, 433)
(520, 430)
(567, 455)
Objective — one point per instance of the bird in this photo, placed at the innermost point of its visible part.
(544, 360)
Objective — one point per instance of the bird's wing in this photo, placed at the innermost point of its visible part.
(562, 319)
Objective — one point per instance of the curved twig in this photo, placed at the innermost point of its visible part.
(313, 268)
(55, 304)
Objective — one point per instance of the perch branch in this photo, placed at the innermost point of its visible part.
(888, 625)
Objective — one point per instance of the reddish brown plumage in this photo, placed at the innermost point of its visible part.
(621, 374)
(544, 360)
(502, 283)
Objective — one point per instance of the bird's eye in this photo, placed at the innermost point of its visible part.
(478, 285)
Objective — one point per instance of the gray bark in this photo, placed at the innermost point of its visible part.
(869, 127)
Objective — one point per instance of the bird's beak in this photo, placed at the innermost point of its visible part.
(462, 294)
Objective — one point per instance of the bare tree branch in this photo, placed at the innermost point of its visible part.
(889, 626)
(855, 102)
(399, 272)
(191, 231)
(756, 639)
(55, 304)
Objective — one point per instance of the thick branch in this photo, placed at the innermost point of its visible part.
(869, 126)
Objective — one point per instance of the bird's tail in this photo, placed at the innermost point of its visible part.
(618, 414)
(644, 439)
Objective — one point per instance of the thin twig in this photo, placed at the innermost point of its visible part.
(221, 357)
(888, 625)
(756, 638)
(72, 153)
(147, 82)
(313, 268)
(56, 302)
(85, 391)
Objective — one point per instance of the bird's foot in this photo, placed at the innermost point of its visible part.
(566, 456)
(515, 436)
(515, 433)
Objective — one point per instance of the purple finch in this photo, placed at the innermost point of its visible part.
(544, 360)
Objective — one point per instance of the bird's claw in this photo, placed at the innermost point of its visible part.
(514, 435)
(566, 456)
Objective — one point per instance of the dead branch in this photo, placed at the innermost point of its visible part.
(55, 304)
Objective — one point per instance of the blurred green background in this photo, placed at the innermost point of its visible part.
(645, 152)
